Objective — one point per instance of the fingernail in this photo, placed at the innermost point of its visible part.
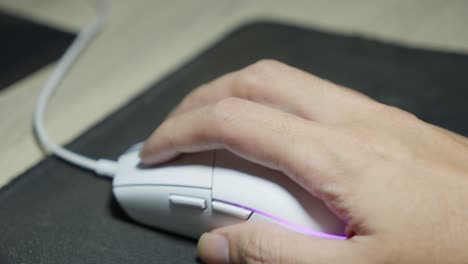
(144, 154)
(213, 248)
(149, 157)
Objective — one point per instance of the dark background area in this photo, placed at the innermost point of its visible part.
(26, 46)
(56, 213)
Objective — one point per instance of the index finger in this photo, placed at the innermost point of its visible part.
(301, 149)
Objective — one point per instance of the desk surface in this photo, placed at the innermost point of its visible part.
(144, 40)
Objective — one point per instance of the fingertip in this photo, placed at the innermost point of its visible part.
(145, 153)
(213, 248)
(149, 156)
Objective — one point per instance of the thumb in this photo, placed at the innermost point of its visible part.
(269, 243)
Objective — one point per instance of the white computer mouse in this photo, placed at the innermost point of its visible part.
(199, 192)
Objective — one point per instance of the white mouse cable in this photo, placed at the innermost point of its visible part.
(102, 167)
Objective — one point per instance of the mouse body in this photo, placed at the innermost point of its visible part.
(199, 192)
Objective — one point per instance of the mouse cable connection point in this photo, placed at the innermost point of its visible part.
(101, 167)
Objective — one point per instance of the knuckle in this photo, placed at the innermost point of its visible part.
(248, 84)
(398, 115)
(266, 64)
(251, 80)
(191, 98)
(262, 68)
(407, 116)
(226, 111)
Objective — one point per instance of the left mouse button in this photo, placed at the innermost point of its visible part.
(188, 201)
(186, 171)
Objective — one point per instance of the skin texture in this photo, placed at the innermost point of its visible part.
(400, 184)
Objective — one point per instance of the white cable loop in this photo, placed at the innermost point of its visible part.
(84, 38)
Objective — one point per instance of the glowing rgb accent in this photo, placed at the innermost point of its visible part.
(293, 226)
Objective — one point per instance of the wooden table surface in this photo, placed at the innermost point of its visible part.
(146, 39)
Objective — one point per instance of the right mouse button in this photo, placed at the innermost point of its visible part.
(232, 210)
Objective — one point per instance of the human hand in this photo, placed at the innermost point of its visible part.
(400, 184)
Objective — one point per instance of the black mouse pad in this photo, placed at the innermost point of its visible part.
(26, 46)
(56, 213)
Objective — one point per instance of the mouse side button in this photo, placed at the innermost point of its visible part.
(171, 208)
(189, 201)
(232, 210)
